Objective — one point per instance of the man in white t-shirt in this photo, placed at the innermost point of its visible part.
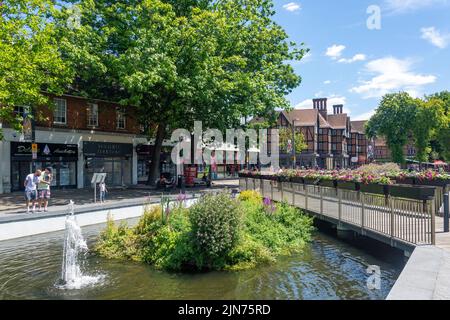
(30, 184)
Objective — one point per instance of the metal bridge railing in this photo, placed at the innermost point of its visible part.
(408, 220)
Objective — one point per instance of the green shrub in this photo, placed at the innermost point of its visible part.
(250, 196)
(215, 221)
(217, 233)
(117, 242)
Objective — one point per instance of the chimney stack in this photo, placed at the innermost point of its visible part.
(338, 108)
(321, 105)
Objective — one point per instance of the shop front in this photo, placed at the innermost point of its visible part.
(145, 153)
(114, 159)
(62, 158)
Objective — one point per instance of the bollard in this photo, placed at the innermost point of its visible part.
(446, 212)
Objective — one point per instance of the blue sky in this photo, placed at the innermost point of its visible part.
(353, 65)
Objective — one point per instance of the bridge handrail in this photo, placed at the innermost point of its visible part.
(408, 220)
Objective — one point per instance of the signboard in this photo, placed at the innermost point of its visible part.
(44, 151)
(106, 149)
(354, 159)
(98, 178)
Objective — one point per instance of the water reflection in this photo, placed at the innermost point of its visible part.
(327, 269)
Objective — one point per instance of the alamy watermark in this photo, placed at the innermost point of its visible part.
(374, 20)
(374, 280)
(239, 146)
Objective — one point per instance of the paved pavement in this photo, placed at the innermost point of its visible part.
(426, 276)
(13, 204)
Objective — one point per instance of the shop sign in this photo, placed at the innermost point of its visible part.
(43, 150)
(105, 149)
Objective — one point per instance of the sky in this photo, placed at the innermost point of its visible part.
(355, 58)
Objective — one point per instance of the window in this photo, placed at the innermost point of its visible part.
(121, 123)
(60, 112)
(92, 115)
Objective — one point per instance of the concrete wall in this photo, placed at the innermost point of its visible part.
(24, 228)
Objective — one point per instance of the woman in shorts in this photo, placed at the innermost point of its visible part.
(44, 189)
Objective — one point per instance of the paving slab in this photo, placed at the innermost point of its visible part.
(426, 276)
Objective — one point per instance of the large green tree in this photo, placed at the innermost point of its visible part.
(429, 120)
(441, 142)
(394, 120)
(286, 136)
(180, 61)
(30, 62)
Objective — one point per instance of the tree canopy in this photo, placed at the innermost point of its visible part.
(210, 61)
(30, 60)
(400, 117)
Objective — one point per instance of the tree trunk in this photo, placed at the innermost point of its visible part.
(154, 172)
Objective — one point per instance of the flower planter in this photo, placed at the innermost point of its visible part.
(404, 180)
(284, 179)
(412, 192)
(328, 183)
(374, 188)
(434, 183)
(310, 181)
(297, 180)
(347, 185)
(269, 177)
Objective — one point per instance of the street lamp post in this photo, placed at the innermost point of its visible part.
(294, 160)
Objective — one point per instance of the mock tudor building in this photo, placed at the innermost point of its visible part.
(333, 140)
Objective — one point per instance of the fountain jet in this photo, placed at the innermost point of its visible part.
(74, 247)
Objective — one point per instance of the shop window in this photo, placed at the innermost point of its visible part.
(60, 111)
(92, 114)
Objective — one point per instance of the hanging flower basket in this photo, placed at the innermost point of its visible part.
(435, 182)
(328, 183)
(310, 181)
(412, 192)
(347, 185)
(374, 188)
(297, 180)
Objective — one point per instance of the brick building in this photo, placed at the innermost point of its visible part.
(383, 154)
(77, 138)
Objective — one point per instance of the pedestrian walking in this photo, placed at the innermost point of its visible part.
(30, 184)
(44, 189)
(103, 191)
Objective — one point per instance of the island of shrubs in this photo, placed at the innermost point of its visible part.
(216, 233)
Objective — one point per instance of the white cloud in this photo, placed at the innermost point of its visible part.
(364, 116)
(390, 75)
(403, 6)
(292, 6)
(335, 51)
(327, 82)
(356, 57)
(434, 36)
